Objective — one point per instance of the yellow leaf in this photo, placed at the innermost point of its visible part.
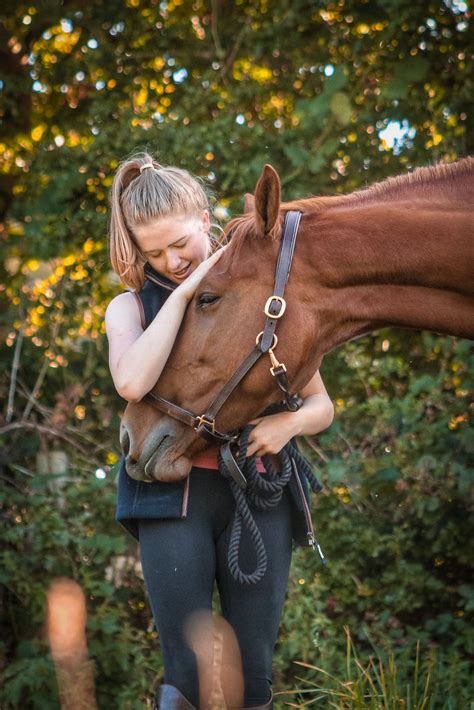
(38, 131)
(32, 264)
(141, 97)
(362, 29)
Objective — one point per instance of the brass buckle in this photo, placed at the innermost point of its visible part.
(274, 342)
(269, 303)
(202, 421)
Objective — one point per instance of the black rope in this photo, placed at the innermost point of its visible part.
(263, 492)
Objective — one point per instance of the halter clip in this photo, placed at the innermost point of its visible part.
(277, 367)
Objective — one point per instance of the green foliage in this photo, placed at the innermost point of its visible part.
(221, 89)
(50, 534)
(415, 681)
(393, 519)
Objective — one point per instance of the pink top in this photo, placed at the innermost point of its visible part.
(208, 459)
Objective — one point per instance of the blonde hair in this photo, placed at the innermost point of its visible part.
(140, 195)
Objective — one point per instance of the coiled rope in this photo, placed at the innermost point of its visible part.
(263, 492)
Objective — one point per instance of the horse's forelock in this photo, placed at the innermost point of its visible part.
(243, 227)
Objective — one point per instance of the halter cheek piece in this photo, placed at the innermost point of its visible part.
(266, 342)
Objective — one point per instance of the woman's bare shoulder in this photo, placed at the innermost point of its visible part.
(123, 313)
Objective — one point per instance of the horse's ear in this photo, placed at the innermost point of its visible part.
(249, 203)
(267, 200)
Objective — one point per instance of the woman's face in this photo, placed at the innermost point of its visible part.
(174, 245)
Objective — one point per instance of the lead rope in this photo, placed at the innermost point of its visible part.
(263, 492)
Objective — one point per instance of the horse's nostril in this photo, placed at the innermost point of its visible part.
(125, 441)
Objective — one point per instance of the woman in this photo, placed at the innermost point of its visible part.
(161, 247)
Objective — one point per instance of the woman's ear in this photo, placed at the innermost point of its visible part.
(267, 201)
(206, 221)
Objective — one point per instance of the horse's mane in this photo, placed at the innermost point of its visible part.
(413, 185)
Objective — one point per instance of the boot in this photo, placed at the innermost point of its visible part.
(268, 706)
(169, 698)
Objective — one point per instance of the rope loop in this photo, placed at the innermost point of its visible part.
(263, 492)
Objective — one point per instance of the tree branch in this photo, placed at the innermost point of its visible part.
(215, 32)
(43, 371)
(41, 429)
(14, 374)
(317, 450)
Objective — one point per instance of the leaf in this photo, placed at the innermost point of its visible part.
(311, 112)
(323, 155)
(406, 73)
(389, 474)
(336, 471)
(296, 154)
(341, 108)
(424, 383)
(338, 80)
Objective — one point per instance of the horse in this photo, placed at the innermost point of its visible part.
(399, 254)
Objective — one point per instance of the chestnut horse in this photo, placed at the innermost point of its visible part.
(399, 253)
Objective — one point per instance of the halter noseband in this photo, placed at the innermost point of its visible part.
(266, 342)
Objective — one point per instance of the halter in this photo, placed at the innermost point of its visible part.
(266, 342)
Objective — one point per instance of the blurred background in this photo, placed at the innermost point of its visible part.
(336, 96)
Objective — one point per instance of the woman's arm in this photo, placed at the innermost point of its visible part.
(272, 433)
(137, 357)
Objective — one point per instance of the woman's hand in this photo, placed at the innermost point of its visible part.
(271, 433)
(189, 286)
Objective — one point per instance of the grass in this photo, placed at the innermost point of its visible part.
(383, 683)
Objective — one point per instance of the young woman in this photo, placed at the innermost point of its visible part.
(161, 247)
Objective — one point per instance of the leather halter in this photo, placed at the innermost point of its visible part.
(266, 342)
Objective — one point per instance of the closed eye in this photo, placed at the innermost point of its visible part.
(206, 299)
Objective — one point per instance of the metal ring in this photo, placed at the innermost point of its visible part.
(269, 303)
(274, 343)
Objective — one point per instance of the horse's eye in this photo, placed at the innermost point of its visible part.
(205, 299)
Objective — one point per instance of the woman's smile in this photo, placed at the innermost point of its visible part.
(182, 273)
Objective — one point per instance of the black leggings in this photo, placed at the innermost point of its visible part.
(182, 558)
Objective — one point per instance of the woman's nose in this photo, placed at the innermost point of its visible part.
(172, 260)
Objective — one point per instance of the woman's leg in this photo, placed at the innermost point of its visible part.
(178, 559)
(254, 611)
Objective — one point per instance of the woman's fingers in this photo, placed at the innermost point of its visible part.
(211, 260)
(251, 450)
(208, 263)
(189, 286)
(255, 446)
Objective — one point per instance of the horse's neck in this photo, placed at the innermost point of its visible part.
(402, 263)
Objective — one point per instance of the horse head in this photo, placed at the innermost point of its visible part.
(218, 331)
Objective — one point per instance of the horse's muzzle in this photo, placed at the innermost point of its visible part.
(156, 457)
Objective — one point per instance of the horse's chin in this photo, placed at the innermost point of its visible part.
(167, 468)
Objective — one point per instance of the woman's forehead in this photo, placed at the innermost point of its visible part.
(164, 231)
